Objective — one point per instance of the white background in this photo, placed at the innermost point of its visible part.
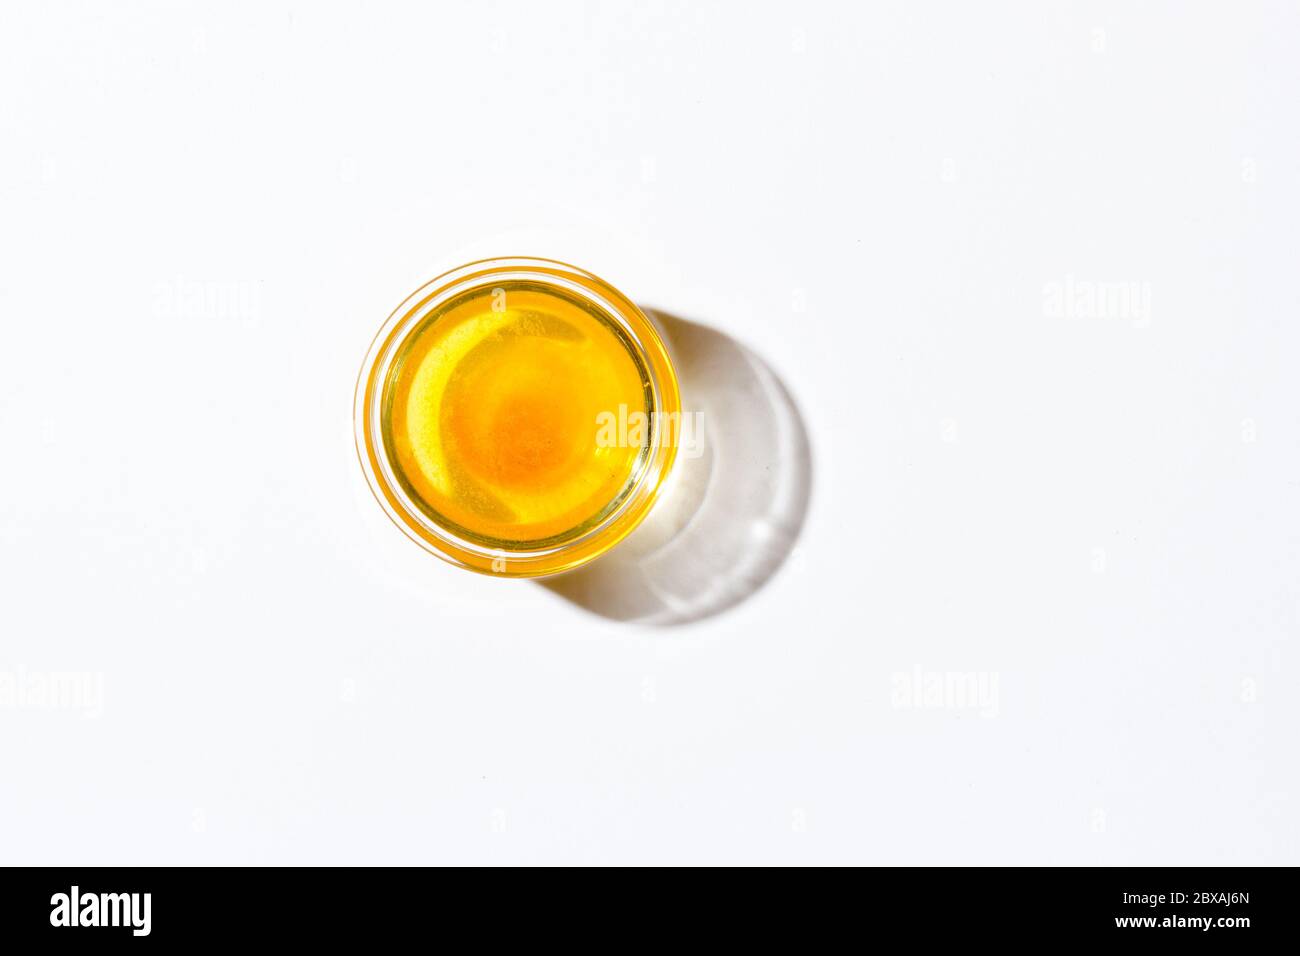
(206, 212)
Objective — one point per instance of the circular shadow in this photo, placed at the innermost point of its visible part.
(733, 507)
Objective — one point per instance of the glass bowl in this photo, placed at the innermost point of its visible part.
(385, 453)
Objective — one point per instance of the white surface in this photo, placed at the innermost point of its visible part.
(206, 213)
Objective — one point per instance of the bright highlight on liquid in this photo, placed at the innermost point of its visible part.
(490, 414)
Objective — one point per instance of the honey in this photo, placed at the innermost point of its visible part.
(492, 409)
(489, 413)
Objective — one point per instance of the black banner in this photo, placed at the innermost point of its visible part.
(135, 907)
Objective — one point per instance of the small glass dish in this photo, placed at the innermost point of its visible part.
(473, 406)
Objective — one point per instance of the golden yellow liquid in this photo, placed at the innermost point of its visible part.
(491, 414)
